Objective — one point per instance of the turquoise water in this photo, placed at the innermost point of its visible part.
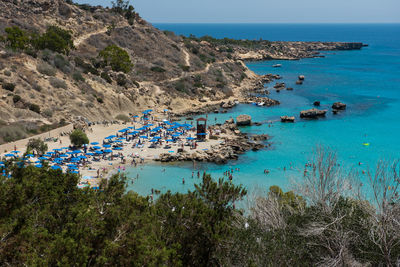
(368, 81)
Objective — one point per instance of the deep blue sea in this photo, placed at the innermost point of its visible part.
(367, 80)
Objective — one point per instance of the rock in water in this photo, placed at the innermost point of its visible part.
(243, 120)
(287, 118)
(317, 103)
(299, 82)
(312, 113)
(301, 77)
(339, 106)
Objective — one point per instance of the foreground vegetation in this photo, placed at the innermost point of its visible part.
(46, 220)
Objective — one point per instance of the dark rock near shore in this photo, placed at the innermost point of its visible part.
(339, 106)
(280, 86)
(317, 103)
(299, 82)
(243, 120)
(301, 77)
(287, 118)
(312, 113)
(289, 88)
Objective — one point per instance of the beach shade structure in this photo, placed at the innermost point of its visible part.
(9, 155)
(143, 136)
(83, 157)
(170, 140)
(63, 156)
(72, 165)
(39, 165)
(96, 147)
(29, 155)
(106, 146)
(43, 158)
(76, 151)
(123, 130)
(75, 172)
(56, 167)
(117, 148)
(107, 151)
(165, 109)
(65, 147)
(15, 152)
(94, 143)
(70, 153)
(175, 135)
(153, 140)
(156, 137)
(51, 153)
(202, 134)
(118, 141)
(98, 152)
(89, 154)
(190, 138)
(57, 149)
(132, 133)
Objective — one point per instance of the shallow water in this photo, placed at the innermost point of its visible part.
(368, 81)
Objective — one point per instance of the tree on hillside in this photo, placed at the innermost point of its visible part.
(78, 138)
(124, 8)
(117, 58)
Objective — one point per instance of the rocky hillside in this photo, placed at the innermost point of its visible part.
(54, 68)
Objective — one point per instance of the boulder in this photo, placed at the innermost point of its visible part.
(301, 77)
(287, 118)
(289, 88)
(339, 106)
(299, 82)
(230, 121)
(279, 85)
(312, 113)
(317, 103)
(229, 104)
(243, 120)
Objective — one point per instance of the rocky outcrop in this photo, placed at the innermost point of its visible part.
(339, 106)
(243, 120)
(317, 103)
(230, 149)
(287, 118)
(280, 86)
(312, 113)
(301, 77)
(299, 82)
(229, 104)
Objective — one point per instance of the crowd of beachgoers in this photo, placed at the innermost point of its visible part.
(115, 146)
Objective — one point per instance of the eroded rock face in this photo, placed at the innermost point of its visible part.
(287, 118)
(243, 120)
(312, 113)
(339, 106)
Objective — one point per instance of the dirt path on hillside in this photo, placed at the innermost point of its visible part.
(78, 41)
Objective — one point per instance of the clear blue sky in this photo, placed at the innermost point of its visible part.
(265, 11)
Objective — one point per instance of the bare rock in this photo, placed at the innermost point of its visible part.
(299, 82)
(317, 103)
(312, 113)
(301, 77)
(339, 106)
(287, 118)
(243, 120)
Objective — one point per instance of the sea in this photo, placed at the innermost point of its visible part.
(367, 80)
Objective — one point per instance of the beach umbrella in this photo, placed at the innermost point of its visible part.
(113, 136)
(190, 138)
(39, 165)
(108, 138)
(70, 153)
(148, 125)
(201, 134)
(170, 140)
(89, 154)
(15, 151)
(98, 152)
(153, 140)
(94, 143)
(106, 146)
(118, 141)
(123, 130)
(136, 116)
(29, 155)
(63, 155)
(156, 137)
(143, 136)
(107, 151)
(57, 149)
(71, 165)
(43, 158)
(76, 151)
(175, 135)
(75, 172)
(118, 148)
(56, 167)
(96, 147)
(83, 157)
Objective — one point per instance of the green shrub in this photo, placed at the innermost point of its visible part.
(57, 83)
(61, 62)
(121, 80)
(77, 76)
(16, 38)
(37, 87)
(157, 69)
(180, 86)
(100, 100)
(55, 39)
(86, 67)
(78, 138)
(16, 98)
(184, 68)
(123, 117)
(34, 108)
(48, 113)
(38, 145)
(9, 87)
(117, 58)
(7, 73)
(106, 77)
(46, 69)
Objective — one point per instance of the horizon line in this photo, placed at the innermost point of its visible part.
(161, 22)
